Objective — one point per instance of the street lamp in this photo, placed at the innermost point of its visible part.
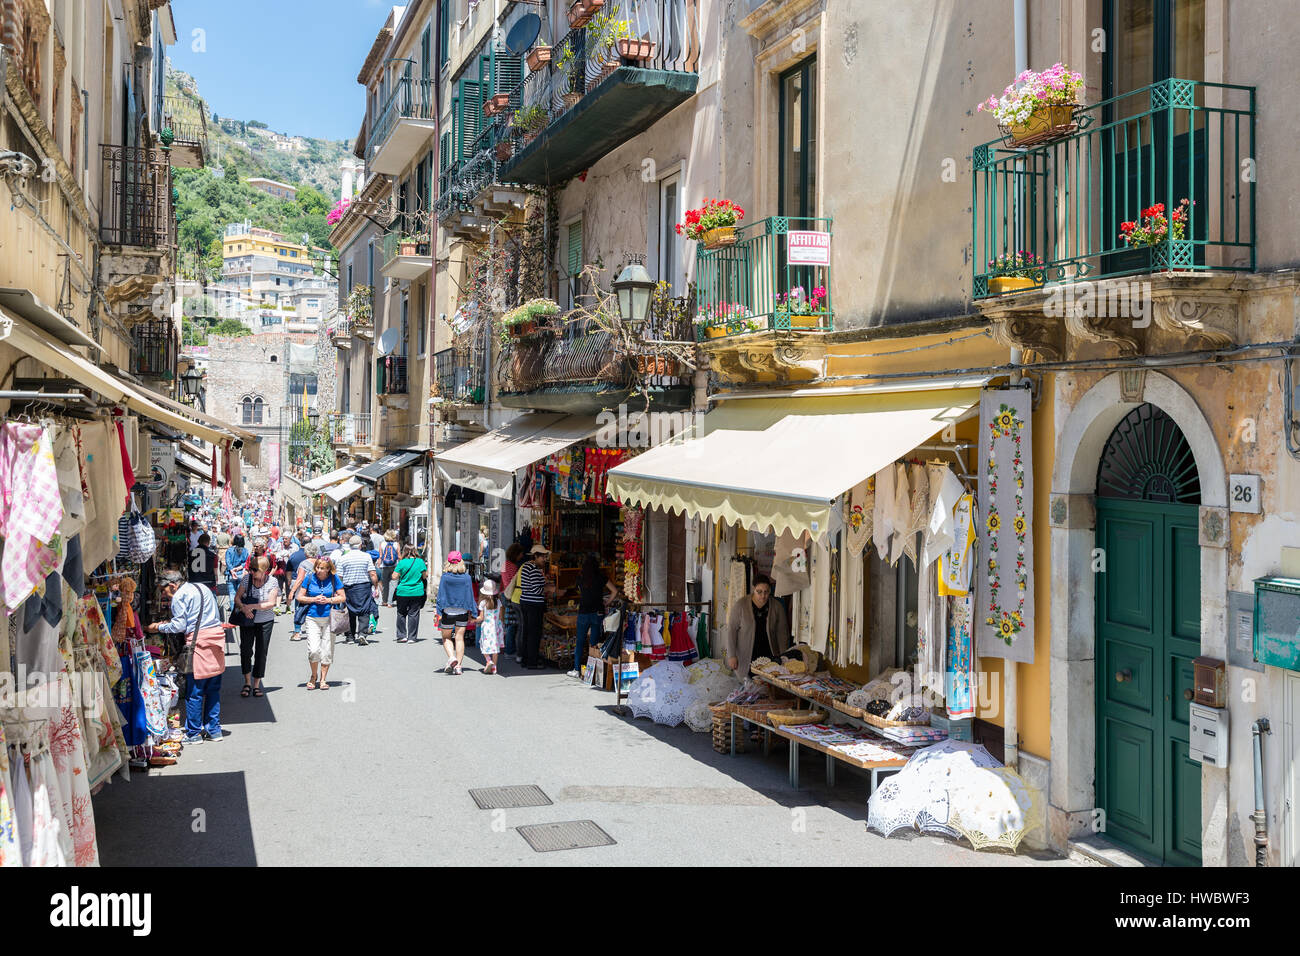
(191, 381)
(634, 287)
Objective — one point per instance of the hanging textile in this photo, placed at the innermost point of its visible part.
(959, 689)
(859, 512)
(819, 598)
(97, 543)
(790, 564)
(918, 516)
(128, 474)
(68, 474)
(900, 514)
(882, 522)
(30, 511)
(955, 564)
(931, 637)
(945, 490)
(1004, 626)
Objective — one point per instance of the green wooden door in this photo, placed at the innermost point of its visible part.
(1148, 632)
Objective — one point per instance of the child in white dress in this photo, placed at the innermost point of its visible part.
(488, 632)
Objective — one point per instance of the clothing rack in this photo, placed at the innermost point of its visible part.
(639, 606)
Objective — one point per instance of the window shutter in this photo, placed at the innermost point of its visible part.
(471, 116)
(575, 248)
(444, 152)
(510, 74)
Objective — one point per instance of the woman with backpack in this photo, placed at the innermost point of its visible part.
(388, 558)
(236, 561)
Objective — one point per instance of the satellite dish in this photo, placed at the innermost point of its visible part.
(522, 35)
(387, 342)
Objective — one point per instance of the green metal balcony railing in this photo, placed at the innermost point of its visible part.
(411, 98)
(753, 286)
(1064, 202)
(403, 227)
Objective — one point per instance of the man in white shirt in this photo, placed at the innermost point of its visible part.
(357, 572)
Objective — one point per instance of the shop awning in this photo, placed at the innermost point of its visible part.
(343, 490)
(321, 482)
(785, 475)
(202, 455)
(199, 469)
(251, 451)
(31, 341)
(488, 463)
(389, 463)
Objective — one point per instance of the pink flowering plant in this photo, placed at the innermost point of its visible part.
(338, 212)
(1057, 86)
(723, 313)
(798, 302)
(1020, 265)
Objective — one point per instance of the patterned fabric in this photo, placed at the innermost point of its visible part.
(859, 513)
(489, 634)
(900, 513)
(30, 511)
(959, 686)
(882, 521)
(68, 750)
(919, 508)
(955, 564)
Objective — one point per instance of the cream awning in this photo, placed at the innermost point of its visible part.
(33, 343)
(488, 463)
(785, 475)
(321, 482)
(343, 490)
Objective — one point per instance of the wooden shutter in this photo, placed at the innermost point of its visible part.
(471, 117)
(510, 74)
(444, 152)
(575, 247)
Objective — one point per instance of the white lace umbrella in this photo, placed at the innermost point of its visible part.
(920, 795)
(993, 807)
(647, 695)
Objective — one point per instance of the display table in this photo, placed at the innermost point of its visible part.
(877, 767)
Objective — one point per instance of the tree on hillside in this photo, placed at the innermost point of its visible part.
(231, 327)
(312, 202)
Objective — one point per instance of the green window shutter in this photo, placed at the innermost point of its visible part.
(444, 152)
(575, 248)
(471, 116)
(510, 73)
(444, 31)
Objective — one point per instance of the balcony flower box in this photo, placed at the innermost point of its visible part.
(636, 51)
(538, 57)
(581, 12)
(504, 150)
(1015, 272)
(498, 103)
(528, 318)
(713, 224)
(1037, 107)
(798, 311)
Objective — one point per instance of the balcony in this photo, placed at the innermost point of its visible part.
(137, 198)
(595, 101)
(1065, 202)
(153, 353)
(760, 284)
(406, 121)
(347, 429)
(458, 376)
(188, 122)
(390, 375)
(408, 260)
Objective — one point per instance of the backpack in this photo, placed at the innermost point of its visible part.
(390, 553)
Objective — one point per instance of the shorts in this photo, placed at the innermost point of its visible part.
(450, 620)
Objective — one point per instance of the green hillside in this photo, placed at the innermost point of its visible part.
(212, 197)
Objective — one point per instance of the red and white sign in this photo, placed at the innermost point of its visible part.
(809, 248)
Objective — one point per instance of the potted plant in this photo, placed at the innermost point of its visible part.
(504, 150)
(1015, 272)
(603, 37)
(1151, 228)
(538, 57)
(1037, 107)
(581, 12)
(633, 50)
(799, 311)
(725, 318)
(407, 245)
(713, 224)
(530, 120)
(566, 64)
(527, 318)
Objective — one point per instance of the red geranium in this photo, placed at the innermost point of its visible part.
(714, 214)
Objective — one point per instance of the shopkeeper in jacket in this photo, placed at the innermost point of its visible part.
(757, 627)
(194, 612)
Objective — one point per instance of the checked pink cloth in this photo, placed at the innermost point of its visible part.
(30, 511)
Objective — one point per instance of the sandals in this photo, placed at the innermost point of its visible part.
(311, 684)
(323, 685)
(451, 666)
(248, 689)
(257, 691)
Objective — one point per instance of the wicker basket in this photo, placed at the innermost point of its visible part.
(793, 718)
(722, 729)
(875, 721)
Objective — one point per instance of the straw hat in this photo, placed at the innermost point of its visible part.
(540, 549)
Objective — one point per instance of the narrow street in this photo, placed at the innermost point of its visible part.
(377, 771)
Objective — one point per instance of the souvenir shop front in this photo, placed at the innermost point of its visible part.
(84, 697)
(865, 511)
(541, 479)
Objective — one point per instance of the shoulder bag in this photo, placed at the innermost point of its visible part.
(236, 618)
(185, 660)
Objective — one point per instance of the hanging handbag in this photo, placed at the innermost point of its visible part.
(236, 618)
(141, 544)
(340, 621)
(516, 589)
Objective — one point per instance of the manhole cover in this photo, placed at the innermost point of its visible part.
(544, 837)
(508, 798)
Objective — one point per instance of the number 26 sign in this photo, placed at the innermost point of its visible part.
(1244, 494)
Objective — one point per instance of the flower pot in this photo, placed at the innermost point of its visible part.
(538, 57)
(504, 150)
(406, 248)
(571, 100)
(500, 101)
(655, 365)
(636, 50)
(1045, 123)
(805, 321)
(719, 237)
(998, 285)
(581, 12)
(715, 331)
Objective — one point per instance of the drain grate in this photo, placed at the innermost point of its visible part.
(510, 798)
(575, 835)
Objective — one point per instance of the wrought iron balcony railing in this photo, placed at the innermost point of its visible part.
(458, 375)
(188, 122)
(349, 428)
(154, 349)
(412, 99)
(137, 198)
(1060, 211)
(758, 284)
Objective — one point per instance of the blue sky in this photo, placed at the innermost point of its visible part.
(292, 64)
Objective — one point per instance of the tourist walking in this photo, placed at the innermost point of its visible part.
(410, 575)
(487, 626)
(311, 551)
(195, 614)
(454, 606)
(359, 577)
(322, 592)
(389, 555)
(255, 601)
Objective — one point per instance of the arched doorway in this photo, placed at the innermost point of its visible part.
(1148, 630)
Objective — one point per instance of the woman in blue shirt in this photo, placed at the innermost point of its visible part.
(454, 608)
(236, 559)
(321, 591)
